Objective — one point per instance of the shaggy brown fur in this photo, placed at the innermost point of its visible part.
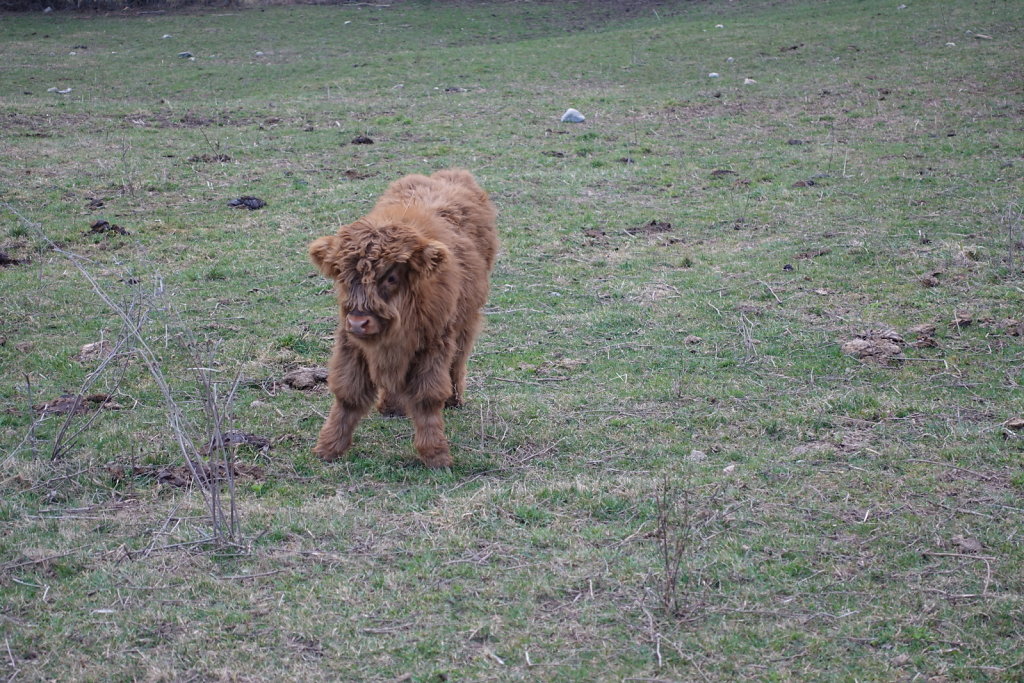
(411, 276)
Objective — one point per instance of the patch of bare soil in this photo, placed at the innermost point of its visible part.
(181, 476)
(235, 437)
(352, 174)
(813, 253)
(94, 351)
(76, 404)
(102, 227)
(653, 228)
(595, 236)
(247, 202)
(7, 260)
(884, 348)
(209, 159)
(305, 378)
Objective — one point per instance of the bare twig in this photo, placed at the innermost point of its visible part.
(979, 475)
(133, 315)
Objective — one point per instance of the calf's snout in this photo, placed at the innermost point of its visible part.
(362, 325)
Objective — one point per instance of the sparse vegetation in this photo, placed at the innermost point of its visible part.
(748, 403)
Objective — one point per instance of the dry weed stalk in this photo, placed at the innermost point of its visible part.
(1012, 218)
(675, 536)
(680, 533)
(134, 315)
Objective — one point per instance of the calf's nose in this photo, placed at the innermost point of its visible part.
(362, 325)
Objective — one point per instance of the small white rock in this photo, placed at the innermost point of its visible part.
(573, 116)
(713, 74)
(719, 26)
(258, 53)
(697, 456)
(728, 469)
(950, 44)
(730, 60)
(166, 36)
(749, 81)
(47, 10)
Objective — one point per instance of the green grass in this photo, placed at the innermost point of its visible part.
(828, 505)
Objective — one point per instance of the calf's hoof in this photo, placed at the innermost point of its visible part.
(328, 453)
(436, 457)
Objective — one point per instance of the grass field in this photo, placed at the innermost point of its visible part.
(749, 400)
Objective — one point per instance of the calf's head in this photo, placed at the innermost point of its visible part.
(377, 268)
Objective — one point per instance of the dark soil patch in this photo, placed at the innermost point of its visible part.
(181, 476)
(209, 159)
(76, 404)
(235, 437)
(595, 236)
(251, 203)
(102, 227)
(653, 228)
(813, 253)
(362, 140)
(353, 174)
(7, 260)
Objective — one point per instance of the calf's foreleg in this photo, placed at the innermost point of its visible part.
(349, 380)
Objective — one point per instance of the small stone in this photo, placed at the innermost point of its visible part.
(697, 456)
(166, 36)
(573, 116)
(714, 74)
(749, 81)
(951, 44)
(692, 340)
(185, 55)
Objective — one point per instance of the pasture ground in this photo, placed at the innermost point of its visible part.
(672, 464)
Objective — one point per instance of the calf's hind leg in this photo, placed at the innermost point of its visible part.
(458, 369)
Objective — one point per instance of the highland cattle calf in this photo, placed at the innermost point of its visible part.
(411, 277)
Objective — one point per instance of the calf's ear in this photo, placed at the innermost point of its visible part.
(430, 257)
(322, 252)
